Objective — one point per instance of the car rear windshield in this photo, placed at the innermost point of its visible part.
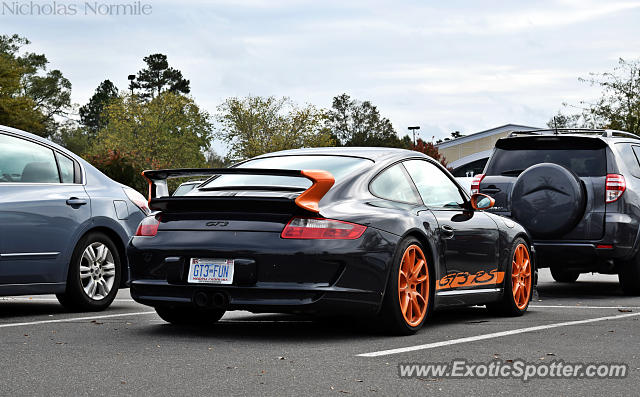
(584, 162)
(338, 166)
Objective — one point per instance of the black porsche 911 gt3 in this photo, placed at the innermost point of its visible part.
(368, 231)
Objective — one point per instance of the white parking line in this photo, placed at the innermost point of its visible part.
(493, 335)
(9, 299)
(584, 307)
(71, 319)
(265, 321)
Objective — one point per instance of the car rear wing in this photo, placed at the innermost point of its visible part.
(159, 199)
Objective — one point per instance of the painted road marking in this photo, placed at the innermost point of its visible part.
(583, 307)
(68, 320)
(493, 335)
(9, 299)
(265, 321)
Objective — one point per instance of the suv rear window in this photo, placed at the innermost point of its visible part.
(584, 162)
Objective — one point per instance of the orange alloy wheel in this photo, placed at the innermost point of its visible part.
(413, 285)
(521, 277)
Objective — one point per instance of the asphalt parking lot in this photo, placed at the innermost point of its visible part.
(128, 349)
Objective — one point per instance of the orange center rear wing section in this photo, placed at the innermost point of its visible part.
(159, 198)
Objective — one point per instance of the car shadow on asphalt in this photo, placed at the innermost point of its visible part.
(285, 328)
(582, 290)
(10, 309)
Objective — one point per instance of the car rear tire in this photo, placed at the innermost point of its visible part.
(564, 276)
(189, 316)
(408, 298)
(629, 276)
(94, 274)
(518, 282)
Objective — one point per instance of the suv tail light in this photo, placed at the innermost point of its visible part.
(475, 184)
(327, 229)
(137, 199)
(149, 226)
(616, 185)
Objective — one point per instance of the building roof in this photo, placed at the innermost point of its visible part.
(485, 133)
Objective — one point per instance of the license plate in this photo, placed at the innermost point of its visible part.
(211, 271)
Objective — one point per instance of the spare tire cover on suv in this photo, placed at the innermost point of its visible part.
(548, 200)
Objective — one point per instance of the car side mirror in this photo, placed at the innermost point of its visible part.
(481, 201)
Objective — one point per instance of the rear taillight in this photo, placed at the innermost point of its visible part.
(328, 229)
(149, 226)
(137, 199)
(615, 187)
(475, 184)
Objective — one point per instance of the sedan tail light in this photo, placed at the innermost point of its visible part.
(326, 229)
(475, 184)
(137, 199)
(616, 185)
(149, 226)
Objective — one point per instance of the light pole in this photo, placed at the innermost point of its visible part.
(132, 83)
(413, 130)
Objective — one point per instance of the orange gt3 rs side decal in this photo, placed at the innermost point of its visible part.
(455, 280)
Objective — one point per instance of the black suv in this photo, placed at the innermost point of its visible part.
(577, 192)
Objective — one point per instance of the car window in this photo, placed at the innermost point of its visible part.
(338, 166)
(185, 188)
(471, 169)
(636, 152)
(67, 173)
(22, 161)
(629, 155)
(434, 186)
(584, 162)
(393, 184)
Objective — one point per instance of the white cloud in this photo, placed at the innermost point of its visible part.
(539, 17)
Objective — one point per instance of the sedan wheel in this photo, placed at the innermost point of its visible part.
(94, 274)
(97, 271)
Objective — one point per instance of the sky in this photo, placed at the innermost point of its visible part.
(445, 66)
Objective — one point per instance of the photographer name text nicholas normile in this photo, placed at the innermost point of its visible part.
(54, 8)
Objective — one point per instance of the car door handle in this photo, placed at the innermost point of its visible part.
(491, 190)
(447, 231)
(76, 201)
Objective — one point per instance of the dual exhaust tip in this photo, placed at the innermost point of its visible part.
(218, 300)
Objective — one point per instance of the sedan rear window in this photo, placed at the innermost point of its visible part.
(338, 166)
(584, 162)
(22, 161)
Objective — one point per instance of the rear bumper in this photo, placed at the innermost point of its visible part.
(271, 274)
(572, 252)
(618, 242)
(280, 298)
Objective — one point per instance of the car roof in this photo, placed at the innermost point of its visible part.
(37, 138)
(603, 134)
(371, 153)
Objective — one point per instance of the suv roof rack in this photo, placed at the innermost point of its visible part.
(593, 131)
